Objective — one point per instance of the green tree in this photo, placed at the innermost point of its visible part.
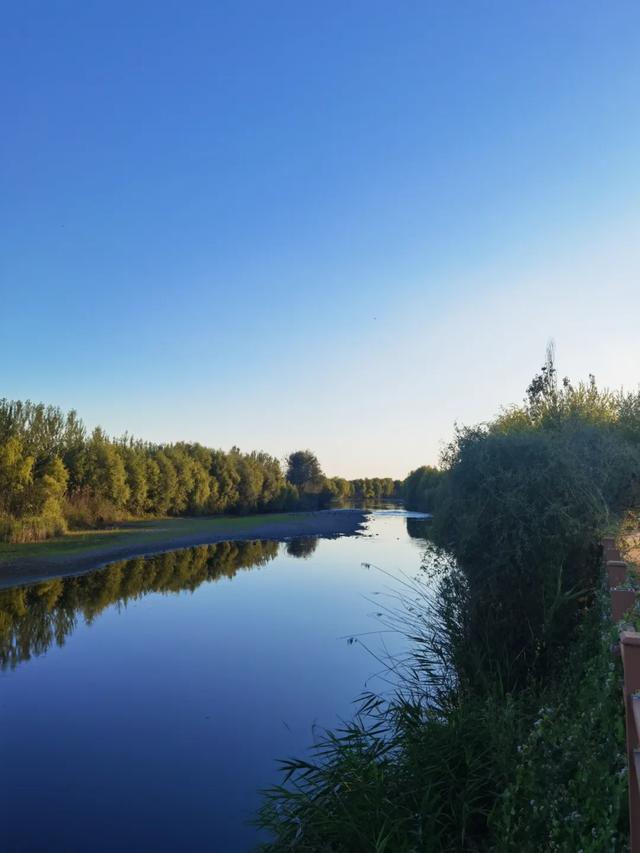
(223, 469)
(51, 487)
(303, 470)
(107, 475)
(164, 495)
(420, 488)
(16, 475)
(136, 469)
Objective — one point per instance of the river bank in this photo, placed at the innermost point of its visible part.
(81, 552)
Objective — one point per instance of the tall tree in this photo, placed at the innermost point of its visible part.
(303, 469)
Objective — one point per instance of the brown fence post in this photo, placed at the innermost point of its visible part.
(630, 647)
(622, 601)
(610, 550)
(616, 573)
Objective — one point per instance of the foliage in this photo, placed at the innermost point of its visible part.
(569, 788)
(303, 469)
(367, 490)
(49, 466)
(33, 528)
(399, 778)
(522, 514)
(505, 732)
(16, 475)
(420, 488)
(522, 505)
(375, 489)
(53, 475)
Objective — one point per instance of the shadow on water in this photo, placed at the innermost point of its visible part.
(33, 618)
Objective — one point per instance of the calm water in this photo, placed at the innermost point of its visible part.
(143, 706)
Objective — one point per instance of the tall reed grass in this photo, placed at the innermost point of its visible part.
(34, 528)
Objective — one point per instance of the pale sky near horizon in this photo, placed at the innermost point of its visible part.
(335, 225)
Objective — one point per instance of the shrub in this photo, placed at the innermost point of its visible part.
(34, 528)
(86, 510)
(522, 513)
(569, 788)
(420, 488)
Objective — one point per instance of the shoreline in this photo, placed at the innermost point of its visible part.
(326, 524)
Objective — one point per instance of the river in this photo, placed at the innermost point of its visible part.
(143, 706)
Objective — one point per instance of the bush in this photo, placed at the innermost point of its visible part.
(420, 489)
(401, 780)
(32, 528)
(522, 512)
(569, 789)
(86, 510)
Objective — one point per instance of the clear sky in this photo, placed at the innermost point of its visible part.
(342, 225)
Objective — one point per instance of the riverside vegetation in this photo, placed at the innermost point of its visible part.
(54, 476)
(504, 731)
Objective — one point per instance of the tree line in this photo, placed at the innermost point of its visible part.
(54, 474)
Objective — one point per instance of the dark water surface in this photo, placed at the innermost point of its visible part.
(143, 706)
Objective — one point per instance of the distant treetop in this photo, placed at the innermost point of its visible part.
(303, 468)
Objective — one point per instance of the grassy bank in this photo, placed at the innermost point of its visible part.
(81, 551)
(133, 533)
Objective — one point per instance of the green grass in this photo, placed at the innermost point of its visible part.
(141, 532)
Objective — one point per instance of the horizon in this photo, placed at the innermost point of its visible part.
(338, 228)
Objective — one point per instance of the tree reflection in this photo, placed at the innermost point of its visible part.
(419, 528)
(302, 546)
(33, 618)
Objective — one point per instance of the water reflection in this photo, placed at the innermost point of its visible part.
(418, 528)
(33, 618)
(302, 546)
(161, 718)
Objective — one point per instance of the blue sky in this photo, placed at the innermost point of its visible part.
(338, 225)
